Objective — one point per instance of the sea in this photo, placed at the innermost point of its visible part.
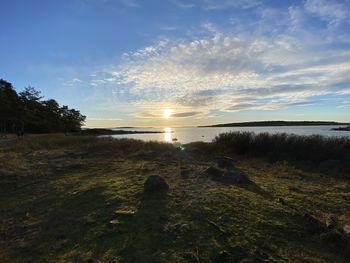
(207, 134)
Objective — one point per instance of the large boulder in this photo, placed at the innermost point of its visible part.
(213, 171)
(234, 177)
(312, 224)
(155, 183)
(225, 162)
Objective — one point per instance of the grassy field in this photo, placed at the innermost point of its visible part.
(81, 199)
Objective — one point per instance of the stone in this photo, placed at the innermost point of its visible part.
(214, 172)
(312, 224)
(331, 221)
(225, 162)
(346, 230)
(155, 183)
(113, 223)
(234, 177)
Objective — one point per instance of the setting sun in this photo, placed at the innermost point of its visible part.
(167, 113)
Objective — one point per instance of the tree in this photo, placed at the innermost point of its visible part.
(28, 110)
(72, 119)
(10, 105)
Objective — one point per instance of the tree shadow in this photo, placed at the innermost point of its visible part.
(56, 225)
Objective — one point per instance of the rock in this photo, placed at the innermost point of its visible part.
(336, 240)
(113, 223)
(155, 183)
(214, 172)
(312, 224)
(235, 177)
(329, 165)
(225, 162)
(346, 230)
(331, 221)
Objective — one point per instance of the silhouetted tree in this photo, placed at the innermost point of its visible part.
(10, 106)
(27, 111)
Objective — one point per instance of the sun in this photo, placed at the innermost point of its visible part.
(167, 113)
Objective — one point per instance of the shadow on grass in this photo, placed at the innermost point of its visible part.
(253, 187)
(146, 230)
(55, 225)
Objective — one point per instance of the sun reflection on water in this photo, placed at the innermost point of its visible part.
(167, 135)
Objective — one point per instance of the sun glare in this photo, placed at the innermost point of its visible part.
(167, 113)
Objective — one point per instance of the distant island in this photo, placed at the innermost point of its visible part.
(277, 123)
(347, 128)
(100, 131)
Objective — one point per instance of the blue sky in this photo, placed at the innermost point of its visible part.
(210, 61)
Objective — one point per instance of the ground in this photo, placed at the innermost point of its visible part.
(81, 199)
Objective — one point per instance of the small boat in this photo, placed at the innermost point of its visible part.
(174, 139)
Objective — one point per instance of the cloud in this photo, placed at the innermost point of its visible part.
(186, 114)
(223, 4)
(232, 70)
(335, 12)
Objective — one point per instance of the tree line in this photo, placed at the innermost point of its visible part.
(27, 111)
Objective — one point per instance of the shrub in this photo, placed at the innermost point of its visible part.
(283, 146)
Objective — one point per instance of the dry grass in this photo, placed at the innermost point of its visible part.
(58, 195)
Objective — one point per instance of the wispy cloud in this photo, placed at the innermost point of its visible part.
(335, 12)
(223, 4)
(277, 65)
(182, 3)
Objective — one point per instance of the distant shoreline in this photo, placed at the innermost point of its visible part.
(277, 123)
(98, 132)
(347, 128)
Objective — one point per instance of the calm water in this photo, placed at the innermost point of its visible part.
(187, 135)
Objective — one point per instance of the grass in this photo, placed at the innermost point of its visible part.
(61, 199)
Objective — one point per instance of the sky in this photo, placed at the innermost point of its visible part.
(181, 63)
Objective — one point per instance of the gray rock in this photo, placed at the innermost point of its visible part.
(155, 183)
(346, 230)
(235, 177)
(331, 221)
(226, 162)
(214, 172)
